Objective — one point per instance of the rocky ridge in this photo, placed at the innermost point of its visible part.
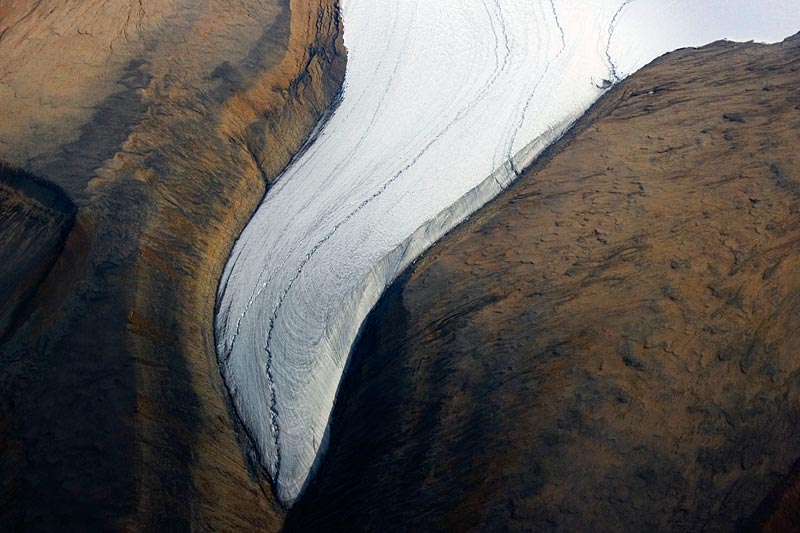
(164, 122)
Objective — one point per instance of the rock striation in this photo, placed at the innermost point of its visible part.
(612, 343)
(163, 123)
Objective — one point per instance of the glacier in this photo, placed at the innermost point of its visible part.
(444, 103)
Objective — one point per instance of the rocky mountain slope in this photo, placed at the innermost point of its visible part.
(163, 122)
(612, 344)
(35, 219)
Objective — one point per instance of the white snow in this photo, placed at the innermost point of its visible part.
(443, 100)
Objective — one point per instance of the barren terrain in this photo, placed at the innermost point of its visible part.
(163, 122)
(612, 344)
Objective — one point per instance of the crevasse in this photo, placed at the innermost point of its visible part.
(444, 103)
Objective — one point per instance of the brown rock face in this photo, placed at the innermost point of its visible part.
(613, 343)
(35, 219)
(163, 122)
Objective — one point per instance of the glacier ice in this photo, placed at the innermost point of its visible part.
(444, 101)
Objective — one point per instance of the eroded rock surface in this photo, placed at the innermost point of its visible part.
(35, 219)
(163, 122)
(613, 343)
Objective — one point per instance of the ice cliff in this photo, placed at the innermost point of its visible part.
(444, 102)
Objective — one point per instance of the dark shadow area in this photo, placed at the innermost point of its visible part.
(35, 219)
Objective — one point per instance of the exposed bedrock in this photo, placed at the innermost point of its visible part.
(35, 219)
(164, 122)
(612, 344)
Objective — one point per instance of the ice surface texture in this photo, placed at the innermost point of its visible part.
(443, 102)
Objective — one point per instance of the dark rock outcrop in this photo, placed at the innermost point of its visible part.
(610, 345)
(35, 219)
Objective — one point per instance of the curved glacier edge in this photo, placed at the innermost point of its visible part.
(252, 443)
(345, 331)
(345, 325)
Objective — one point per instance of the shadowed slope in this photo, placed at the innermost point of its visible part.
(35, 218)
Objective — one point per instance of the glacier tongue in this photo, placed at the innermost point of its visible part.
(444, 101)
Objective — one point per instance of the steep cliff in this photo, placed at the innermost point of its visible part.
(612, 344)
(164, 122)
